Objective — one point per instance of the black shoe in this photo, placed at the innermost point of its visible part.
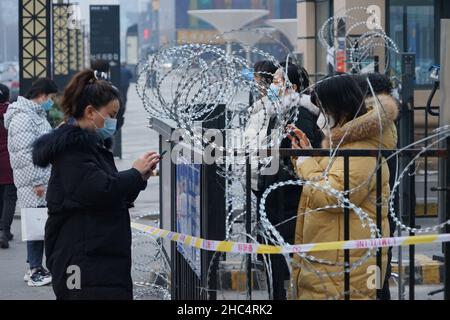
(9, 235)
(4, 242)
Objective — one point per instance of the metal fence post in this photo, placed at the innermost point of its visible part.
(248, 222)
(379, 203)
(346, 230)
(447, 227)
(406, 137)
(444, 169)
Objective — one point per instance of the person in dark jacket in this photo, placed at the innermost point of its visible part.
(125, 80)
(282, 203)
(88, 234)
(8, 191)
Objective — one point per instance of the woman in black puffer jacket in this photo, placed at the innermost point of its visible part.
(88, 233)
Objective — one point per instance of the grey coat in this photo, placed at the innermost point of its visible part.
(26, 121)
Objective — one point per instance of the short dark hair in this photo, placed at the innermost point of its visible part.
(4, 93)
(265, 69)
(340, 97)
(297, 75)
(41, 86)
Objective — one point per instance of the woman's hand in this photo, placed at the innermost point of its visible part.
(300, 140)
(146, 164)
(39, 191)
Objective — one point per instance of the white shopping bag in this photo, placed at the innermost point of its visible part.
(33, 223)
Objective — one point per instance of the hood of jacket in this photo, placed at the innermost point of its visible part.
(305, 102)
(296, 99)
(382, 112)
(65, 138)
(26, 106)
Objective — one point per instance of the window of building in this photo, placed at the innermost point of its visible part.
(412, 26)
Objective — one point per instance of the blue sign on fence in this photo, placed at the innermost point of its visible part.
(189, 210)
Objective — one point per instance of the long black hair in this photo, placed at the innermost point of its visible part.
(41, 86)
(340, 97)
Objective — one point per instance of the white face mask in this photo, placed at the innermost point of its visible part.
(395, 94)
(331, 122)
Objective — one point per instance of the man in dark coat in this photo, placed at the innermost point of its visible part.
(87, 235)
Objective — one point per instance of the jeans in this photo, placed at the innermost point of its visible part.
(35, 253)
(8, 199)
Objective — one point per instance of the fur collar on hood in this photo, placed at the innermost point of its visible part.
(296, 99)
(382, 111)
(65, 138)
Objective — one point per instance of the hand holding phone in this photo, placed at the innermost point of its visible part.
(298, 138)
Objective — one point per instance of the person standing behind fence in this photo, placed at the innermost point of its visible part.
(256, 128)
(125, 79)
(8, 191)
(26, 121)
(88, 232)
(282, 204)
(343, 102)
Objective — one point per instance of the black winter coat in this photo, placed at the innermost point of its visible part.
(89, 223)
(282, 203)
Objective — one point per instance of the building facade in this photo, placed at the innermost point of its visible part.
(413, 25)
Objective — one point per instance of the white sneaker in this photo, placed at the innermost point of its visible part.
(39, 278)
(27, 275)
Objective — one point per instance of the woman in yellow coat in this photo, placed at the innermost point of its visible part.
(355, 124)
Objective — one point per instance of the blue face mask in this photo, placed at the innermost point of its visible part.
(273, 92)
(47, 105)
(108, 130)
(248, 74)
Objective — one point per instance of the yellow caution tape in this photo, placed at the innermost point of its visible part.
(246, 248)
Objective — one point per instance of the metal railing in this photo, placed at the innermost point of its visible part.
(348, 154)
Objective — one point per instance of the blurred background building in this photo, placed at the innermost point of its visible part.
(168, 21)
(148, 24)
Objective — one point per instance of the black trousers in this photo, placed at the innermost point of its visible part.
(280, 274)
(280, 270)
(385, 291)
(8, 199)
